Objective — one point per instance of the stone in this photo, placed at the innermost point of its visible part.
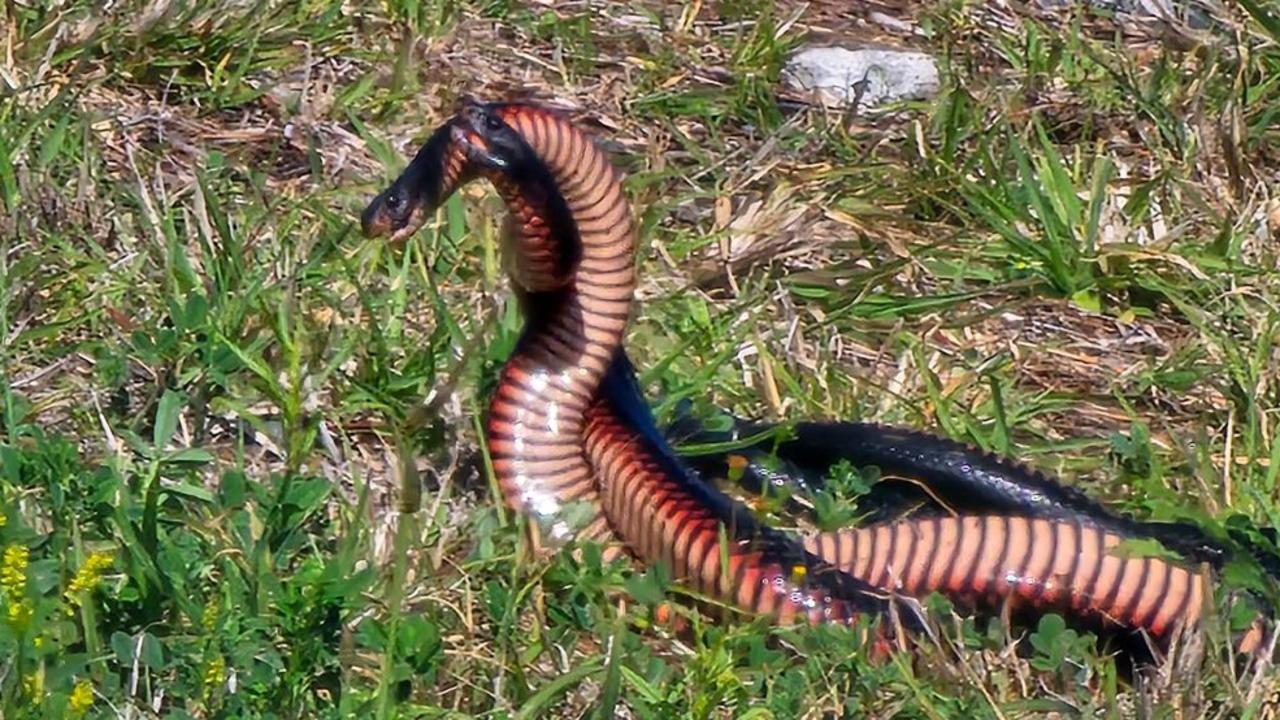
(871, 77)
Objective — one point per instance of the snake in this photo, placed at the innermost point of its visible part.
(551, 434)
(568, 425)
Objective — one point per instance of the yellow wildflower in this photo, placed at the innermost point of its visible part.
(209, 618)
(19, 614)
(13, 569)
(33, 685)
(216, 673)
(81, 698)
(87, 577)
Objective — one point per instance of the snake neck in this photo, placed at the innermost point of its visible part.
(536, 415)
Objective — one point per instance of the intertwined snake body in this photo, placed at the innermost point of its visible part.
(567, 424)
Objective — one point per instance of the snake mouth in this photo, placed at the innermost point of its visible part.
(409, 225)
(393, 214)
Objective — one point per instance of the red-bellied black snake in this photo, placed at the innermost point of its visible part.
(566, 423)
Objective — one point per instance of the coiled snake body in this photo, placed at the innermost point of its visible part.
(567, 423)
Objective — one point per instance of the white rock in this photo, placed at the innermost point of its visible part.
(881, 76)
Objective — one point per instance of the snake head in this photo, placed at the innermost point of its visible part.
(394, 213)
(476, 138)
(430, 178)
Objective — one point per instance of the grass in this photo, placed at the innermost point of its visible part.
(239, 457)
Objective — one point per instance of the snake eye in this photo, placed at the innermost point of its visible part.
(492, 122)
(394, 201)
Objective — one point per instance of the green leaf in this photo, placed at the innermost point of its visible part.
(195, 312)
(642, 686)
(152, 652)
(1087, 299)
(1047, 632)
(171, 403)
(189, 456)
(1143, 547)
(647, 587)
(8, 179)
(188, 490)
(232, 488)
(122, 646)
(11, 463)
(308, 494)
(613, 677)
(549, 693)
(52, 144)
